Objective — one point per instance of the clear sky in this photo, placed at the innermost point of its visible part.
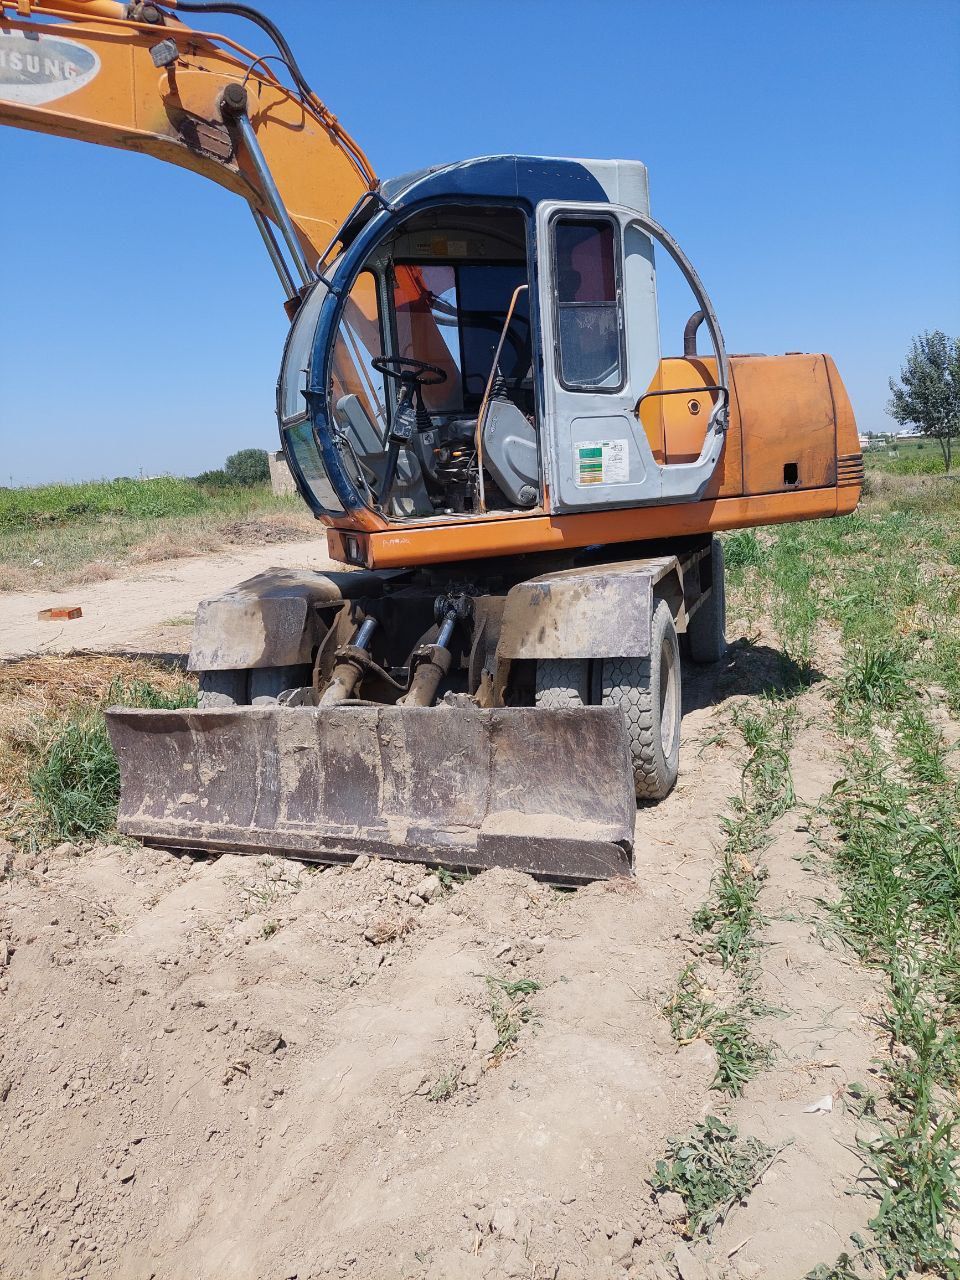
(804, 152)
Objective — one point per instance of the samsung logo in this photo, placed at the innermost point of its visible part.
(35, 69)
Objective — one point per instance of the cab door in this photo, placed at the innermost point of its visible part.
(601, 349)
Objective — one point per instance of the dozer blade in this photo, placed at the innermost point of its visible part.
(547, 792)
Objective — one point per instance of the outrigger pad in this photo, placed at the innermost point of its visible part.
(547, 792)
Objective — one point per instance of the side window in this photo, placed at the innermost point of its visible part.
(588, 309)
(358, 343)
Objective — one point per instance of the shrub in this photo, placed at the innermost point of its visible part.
(247, 468)
(213, 479)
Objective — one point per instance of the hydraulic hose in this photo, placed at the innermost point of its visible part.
(299, 79)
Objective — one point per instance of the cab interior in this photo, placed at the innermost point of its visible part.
(432, 388)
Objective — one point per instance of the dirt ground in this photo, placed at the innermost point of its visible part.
(241, 1067)
(145, 609)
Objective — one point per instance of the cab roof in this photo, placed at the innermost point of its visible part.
(530, 179)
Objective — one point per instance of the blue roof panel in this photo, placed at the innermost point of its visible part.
(528, 178)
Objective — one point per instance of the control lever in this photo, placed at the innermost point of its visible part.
(402, 427)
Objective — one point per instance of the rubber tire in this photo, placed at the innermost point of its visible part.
(706, 632)
(647, 690)
(562, 682)
(222, 689)
(267, 683)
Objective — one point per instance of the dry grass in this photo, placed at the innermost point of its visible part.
(172, 544)
(279, 526)
(15, 578)
(35, 692)
(96, 547)
(97, 571)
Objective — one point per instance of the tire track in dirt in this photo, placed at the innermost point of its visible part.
(821, 1026)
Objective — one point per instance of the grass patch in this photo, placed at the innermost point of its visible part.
(728, 920)
(906, 458)
(76, 784)
(887, 579)
(53, 535)
(899, 859)
(742, 549)
(59, 772)
(712, 1170)
(66, 503)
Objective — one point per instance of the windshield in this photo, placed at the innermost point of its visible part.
(429, 404)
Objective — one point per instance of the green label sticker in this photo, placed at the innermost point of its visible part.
(602, 462)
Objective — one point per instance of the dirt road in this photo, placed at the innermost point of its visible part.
(146, 609)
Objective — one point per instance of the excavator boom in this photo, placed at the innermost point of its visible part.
(134, 77)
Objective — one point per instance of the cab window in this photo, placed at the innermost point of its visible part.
(359, 342)
(452, 316)
(589, 321)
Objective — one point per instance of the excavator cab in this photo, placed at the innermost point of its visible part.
(478, 346)
(430, 397)
(435, 329)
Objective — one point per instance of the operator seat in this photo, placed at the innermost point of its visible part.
(410, 497)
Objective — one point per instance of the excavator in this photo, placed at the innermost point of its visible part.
(523, 489)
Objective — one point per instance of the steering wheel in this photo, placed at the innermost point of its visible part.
(416, 373)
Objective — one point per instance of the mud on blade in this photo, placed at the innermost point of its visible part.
(547, 792)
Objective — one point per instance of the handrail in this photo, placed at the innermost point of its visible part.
(485, 402)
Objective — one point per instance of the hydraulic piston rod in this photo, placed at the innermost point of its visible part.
(349, 666)
(234, 107)
(430, 664)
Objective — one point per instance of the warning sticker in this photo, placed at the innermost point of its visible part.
(602, 461)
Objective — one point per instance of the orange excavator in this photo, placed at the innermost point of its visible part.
(524, 490)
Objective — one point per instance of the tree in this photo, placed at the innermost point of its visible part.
(928, 393)
(248, 467)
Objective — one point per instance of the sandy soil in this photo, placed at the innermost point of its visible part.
(239, 1068)
(136, 612)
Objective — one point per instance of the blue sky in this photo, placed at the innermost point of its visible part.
(804, 152)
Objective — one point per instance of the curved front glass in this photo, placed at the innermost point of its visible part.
(446, 425)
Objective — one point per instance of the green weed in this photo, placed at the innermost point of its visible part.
(445, 1088)
(694, 1016)
(872, 679)
(509, 1010)
(521, 987)
(843, 1269)
(713, 1169)
(76, 783)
